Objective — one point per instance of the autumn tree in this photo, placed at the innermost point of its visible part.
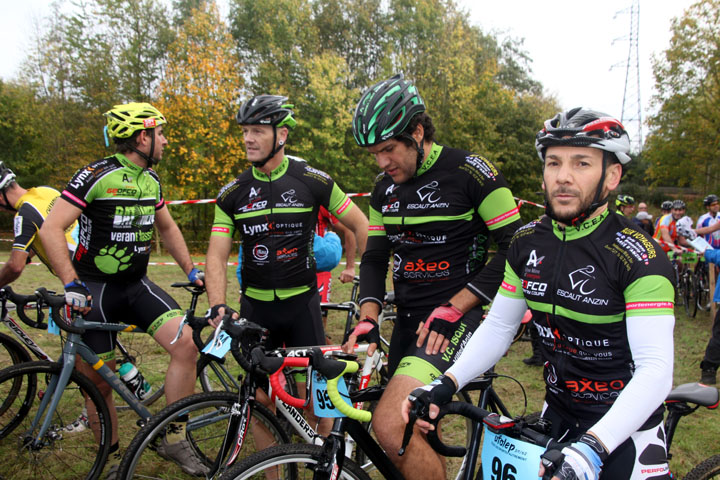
(199, 97)
(684, 143)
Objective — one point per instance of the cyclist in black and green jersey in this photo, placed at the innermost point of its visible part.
(434, 211)
(118, 201)
(273, 206)
(601, 295)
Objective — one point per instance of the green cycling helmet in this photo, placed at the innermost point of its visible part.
(624, 201)
(124, 120)
(385, 110)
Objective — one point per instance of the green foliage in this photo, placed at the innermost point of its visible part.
(682, 149)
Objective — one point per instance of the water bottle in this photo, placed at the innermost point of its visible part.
(134, 381)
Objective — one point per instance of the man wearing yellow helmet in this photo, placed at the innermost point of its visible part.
(118, 201)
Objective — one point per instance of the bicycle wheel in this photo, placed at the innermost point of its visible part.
(218, 375)
(148, 357)
(295, 461)
(679, 287)
(703, 296)
(209, 414)
(709, 468)
(689, 295)
(12, 353)
(66, 450)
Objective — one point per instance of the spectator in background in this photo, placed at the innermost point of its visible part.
(625, 205)
(642, 207)
(709, 219)
(665, 208)
(644, 220)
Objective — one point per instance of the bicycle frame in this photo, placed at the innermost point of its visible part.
(24, 338)
(75, 346)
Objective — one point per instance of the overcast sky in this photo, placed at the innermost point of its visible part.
(573, 43)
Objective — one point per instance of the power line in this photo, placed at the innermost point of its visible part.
(632, 105)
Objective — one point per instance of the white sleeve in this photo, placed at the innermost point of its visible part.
(490, 341)
(651, 345)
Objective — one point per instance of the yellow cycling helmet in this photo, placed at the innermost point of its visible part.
(124, 120)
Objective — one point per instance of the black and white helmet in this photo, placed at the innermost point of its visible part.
(7, 177)
(584, 128)
(710, 199)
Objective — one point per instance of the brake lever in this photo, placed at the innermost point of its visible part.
(216, 343)
(418, 410)
(179, 333)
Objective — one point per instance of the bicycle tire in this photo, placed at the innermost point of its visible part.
(520, 332)
(149, 358)
(703, 296)
(708, 468)
(206, 429)
(217, 375)
(67, 451)
(688, 297)
(295, 458)
(12, 353)
(679, 297)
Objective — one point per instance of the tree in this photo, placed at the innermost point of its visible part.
(198, 96)
(683, 146)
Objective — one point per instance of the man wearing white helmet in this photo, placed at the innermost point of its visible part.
(601, 297)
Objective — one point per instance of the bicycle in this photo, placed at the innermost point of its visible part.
(703, 295)
(44, 443)
(496, 463)
(218, 422)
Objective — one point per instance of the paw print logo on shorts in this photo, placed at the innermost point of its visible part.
(111, 260)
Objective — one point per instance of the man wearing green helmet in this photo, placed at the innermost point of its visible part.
(434, 209)
(625, 205)
(118, 200)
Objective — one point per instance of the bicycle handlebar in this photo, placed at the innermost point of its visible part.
(57, 303)
(20, 302)
(274, 367)
(332, 370)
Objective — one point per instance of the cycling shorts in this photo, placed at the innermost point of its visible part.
(324, 283)
(140, 303)
(640, 457)
(293, 322)
(407, 359)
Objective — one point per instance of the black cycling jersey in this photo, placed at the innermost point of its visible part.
(583, 284)
(437, 226)
(118, 200)
(276, 215)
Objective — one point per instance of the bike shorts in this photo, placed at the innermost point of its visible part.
(293, 322)
(140, 303)
(641, 457)
(405, 358)
(324, 284)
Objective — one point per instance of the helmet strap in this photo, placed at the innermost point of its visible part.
(276, 149)
(148, 158)
(419, 148)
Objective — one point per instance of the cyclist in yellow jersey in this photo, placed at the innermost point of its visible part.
(31, 206)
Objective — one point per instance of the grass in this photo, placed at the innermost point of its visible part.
(695, 439)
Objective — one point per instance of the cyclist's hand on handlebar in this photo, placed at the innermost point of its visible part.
(583, 460)
(347, 275)
(196, 276)
(366, 330)
(78, 296)
(216, 313)
(426, 400)
(438, 327)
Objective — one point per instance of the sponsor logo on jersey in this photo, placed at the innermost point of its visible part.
(17, 225)
(536, 289)
(254, 206)
(256, 229)
(484, 166)
(286, 254)
(420, 270)
(260, 252)
(429, 193)
(124, 191)
(391, 207)
(289, 196)
(534, 261)
(390, 189)
(82, 177)
(579, 279)
(220, 229)
(254, 193)
(397, 262)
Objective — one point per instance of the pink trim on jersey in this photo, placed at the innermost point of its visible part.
(502, 217)
(344, 206)
(646, 305)
(377, 228)
(220, 229)
(508, 287)
(160, 204)
(74, 198)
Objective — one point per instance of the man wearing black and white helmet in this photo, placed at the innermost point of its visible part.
(601, 298)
